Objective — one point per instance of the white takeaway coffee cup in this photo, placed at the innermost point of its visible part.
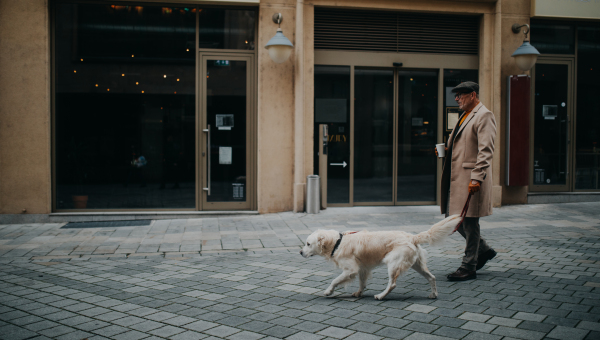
(441, 149)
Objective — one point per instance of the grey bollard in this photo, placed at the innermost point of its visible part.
(313, 197)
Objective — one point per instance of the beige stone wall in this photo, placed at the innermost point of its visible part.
(276, 112)
(24, 107)
(513, 11)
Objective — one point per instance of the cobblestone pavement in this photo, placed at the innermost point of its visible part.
(242, 278)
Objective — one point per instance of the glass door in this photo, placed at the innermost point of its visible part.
(551, 131)
(417, 132)
(373, 136)
(225, 135)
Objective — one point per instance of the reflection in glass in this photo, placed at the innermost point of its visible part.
(124, 107)
(588, 111)
(550, 125)
(332, 107)
(417, 135)
(552, 38)
(226, 115)
(227, 28)
(373, 135)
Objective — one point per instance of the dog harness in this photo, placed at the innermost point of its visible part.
(337, 244)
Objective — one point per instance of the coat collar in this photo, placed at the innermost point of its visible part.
(473, 112)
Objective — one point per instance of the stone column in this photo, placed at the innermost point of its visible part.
(276, 112)
(25, 176)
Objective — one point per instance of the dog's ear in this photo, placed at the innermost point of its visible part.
(321, 242)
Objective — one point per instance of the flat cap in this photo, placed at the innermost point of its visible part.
(466, 87)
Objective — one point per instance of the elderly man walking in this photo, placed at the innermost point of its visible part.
(467, 169)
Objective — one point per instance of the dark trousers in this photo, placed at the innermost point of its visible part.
(476, 245)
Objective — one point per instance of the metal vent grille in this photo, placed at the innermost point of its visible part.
(363, 30)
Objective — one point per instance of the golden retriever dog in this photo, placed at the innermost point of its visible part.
(360, 252)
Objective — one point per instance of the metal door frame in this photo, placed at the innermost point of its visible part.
(569, 179)
(201, 137)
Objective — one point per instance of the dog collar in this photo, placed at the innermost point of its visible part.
(337, 244)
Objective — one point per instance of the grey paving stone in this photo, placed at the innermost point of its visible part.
(279, 332)
(110, 331)
(362, 336)
(188, 335)
(166, 331)
(566, 333)
(422, 336)
(420, 327)
(76, 335)
(303, 336)
(11, 332)
(449, 332)
(517, 333)
(56, 331)
(200, 326)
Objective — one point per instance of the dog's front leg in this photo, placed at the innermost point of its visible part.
(344, 277)
(363, 276)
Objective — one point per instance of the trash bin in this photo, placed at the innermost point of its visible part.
(313, 194)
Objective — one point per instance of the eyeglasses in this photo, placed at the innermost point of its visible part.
(458, 95)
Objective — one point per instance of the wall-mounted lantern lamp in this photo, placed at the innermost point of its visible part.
(279, 46)
(526, 55)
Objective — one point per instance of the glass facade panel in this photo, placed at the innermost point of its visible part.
(550, 146)
(124, 107)
(553, 38)
(417, 135)
(373, 135)
(226, 114)
(332, 107)
(227, 28)
(587, 152)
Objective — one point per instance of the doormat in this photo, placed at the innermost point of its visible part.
(106, 224)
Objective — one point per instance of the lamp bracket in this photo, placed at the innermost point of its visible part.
(516, 28)
(277, 17)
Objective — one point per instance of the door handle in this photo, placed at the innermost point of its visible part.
(207, 130)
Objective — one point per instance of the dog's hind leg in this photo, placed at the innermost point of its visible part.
(398, 262)
(363, 276)
(421, 267)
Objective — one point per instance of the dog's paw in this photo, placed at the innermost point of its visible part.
(379, 297)
(328, 292)
(433, 296)
(357, 294)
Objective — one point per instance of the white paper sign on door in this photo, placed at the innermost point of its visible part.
(225, 155)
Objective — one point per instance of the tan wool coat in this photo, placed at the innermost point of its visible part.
(469, 156)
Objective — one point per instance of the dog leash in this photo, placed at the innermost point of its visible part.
(463, 214)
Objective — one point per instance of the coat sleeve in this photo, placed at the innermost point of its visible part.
(486, 134)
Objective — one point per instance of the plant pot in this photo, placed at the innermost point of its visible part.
(80, 202)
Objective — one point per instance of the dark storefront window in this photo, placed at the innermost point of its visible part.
(587, 152)
(553, 38)
(332, 107)
(227, 29)
(124, 106)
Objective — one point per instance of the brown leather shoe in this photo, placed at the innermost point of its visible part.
(462, 274)
(483, 258)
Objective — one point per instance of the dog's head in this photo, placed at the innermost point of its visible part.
(321, 242)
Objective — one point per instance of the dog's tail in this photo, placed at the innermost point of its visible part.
(439, 232)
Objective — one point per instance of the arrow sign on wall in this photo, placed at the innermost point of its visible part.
(342, 164)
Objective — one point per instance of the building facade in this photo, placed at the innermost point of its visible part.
(163, 107)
